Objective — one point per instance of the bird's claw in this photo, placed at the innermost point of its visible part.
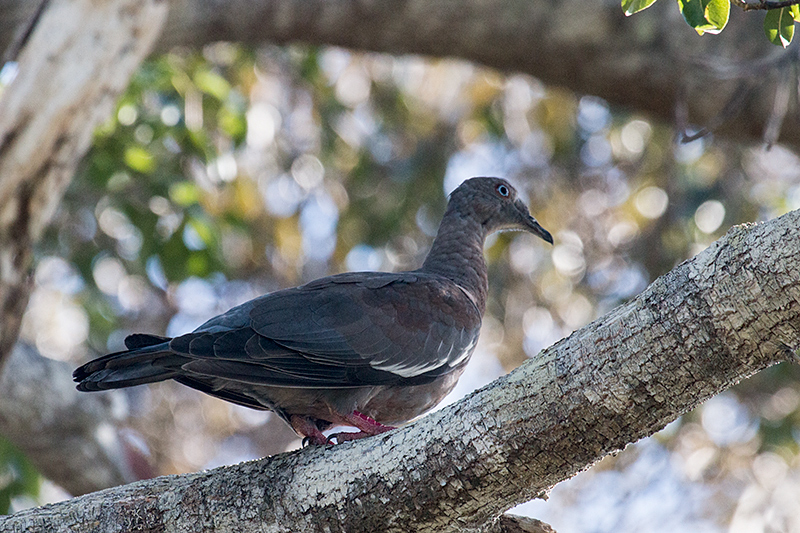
(316, 441)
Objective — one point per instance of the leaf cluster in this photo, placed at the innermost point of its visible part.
(711, 16)
(19, 480)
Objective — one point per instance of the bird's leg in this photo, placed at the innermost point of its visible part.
(367, 426)
(308, 430)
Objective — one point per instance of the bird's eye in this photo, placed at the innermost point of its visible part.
(502, 190)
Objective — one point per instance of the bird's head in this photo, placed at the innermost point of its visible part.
(494, 202)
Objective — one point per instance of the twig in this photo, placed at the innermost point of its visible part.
(23, 32)
(732, 107)
(780, 107)
(764, 4)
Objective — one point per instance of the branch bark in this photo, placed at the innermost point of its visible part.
(727, 313)
(76, 63)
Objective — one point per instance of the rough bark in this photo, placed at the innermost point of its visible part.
(520, 524)
(74, 65)
(71, 437)
(652, 62)
(729, 312)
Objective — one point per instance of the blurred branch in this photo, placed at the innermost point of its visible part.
(69, 436)
(22, 32)
(76, 61)
(640, 62)
(713, 320)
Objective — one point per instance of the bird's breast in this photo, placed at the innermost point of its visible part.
(397, 404)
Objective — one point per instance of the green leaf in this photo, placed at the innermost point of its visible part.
(197, 265)
(634, 6)
(717, 13)
(212, 83)
(139, 159)
(202, 229)
(18, 477)
(184, 193)
(779, 26)
(706, 15)
(693, 12)
(233, 122)
(795, 12)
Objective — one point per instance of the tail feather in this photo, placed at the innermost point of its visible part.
(148, 360)
(143, 340)
(130, 376)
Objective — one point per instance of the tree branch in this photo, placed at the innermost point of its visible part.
(765, 4)
(509, 523)
(641, 62)
(23, 31)
(69, 436)
(727, 313)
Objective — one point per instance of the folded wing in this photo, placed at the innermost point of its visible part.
(350, 330)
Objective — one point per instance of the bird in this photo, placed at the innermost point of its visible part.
(368, 350)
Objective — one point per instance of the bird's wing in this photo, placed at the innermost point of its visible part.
(350, 330)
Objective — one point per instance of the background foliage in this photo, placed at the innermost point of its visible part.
(711, 16)
(232, 172)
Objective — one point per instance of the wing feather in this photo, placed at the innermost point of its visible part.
(351, 330)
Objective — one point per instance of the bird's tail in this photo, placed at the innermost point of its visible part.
(148, 359)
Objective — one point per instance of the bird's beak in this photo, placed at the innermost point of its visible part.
(530, 224)
(538, 230)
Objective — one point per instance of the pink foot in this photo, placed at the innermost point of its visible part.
(366, 424)
(306, 428)
(309, 431)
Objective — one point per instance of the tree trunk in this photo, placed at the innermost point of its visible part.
(652, 62)
(731, 311)
(73, 67)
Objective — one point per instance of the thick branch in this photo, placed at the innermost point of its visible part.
(712, 321)
(648, 62)
(71, 437)
(75, 64)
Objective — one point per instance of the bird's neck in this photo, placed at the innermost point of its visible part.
(457, 254)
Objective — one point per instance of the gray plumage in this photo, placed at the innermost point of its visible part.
(365, 349)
